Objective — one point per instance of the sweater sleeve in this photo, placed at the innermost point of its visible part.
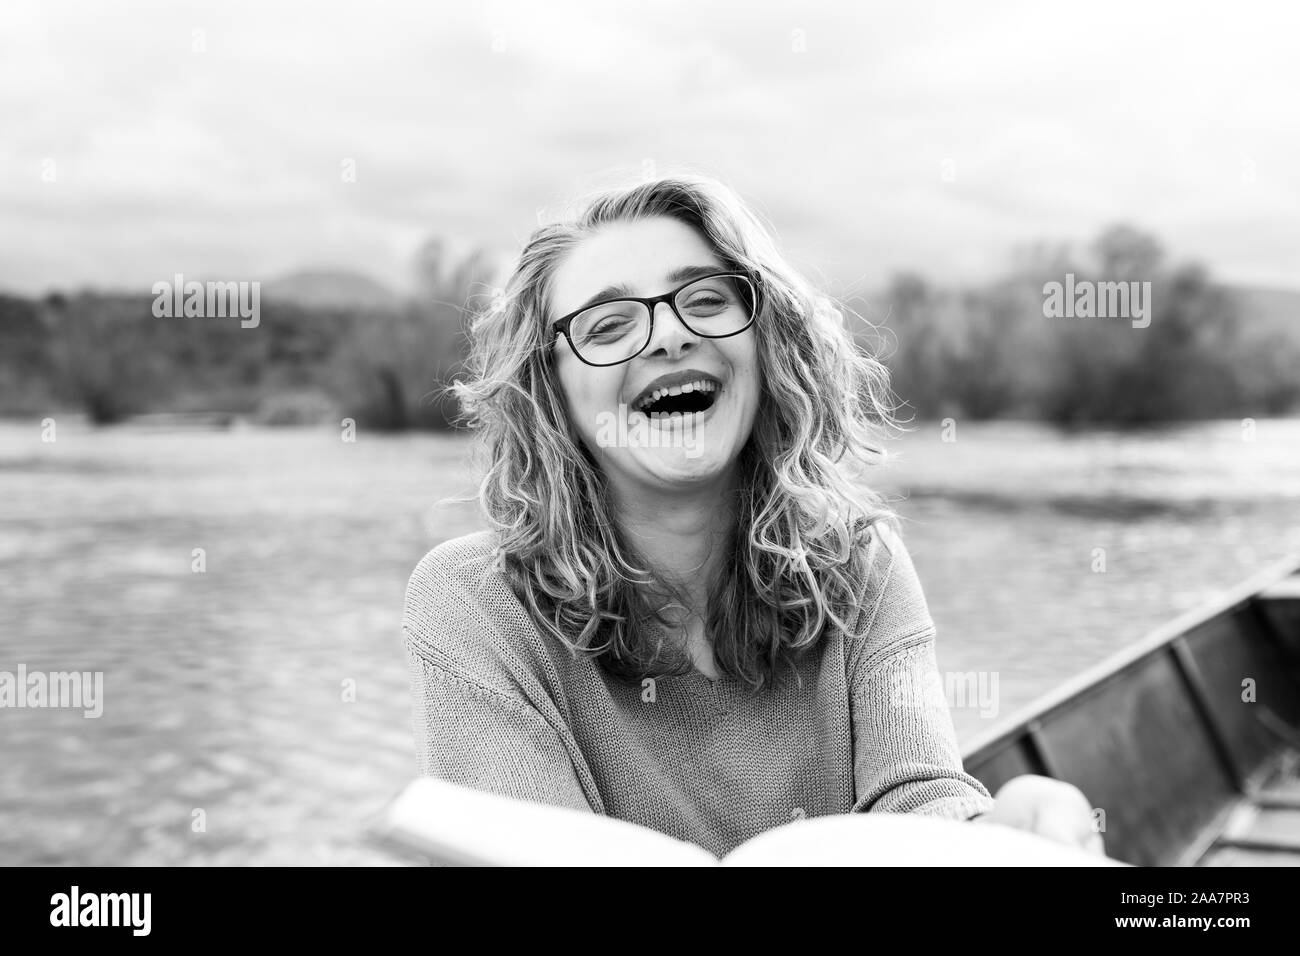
(905, 753)
(468, 731)
(478, 737)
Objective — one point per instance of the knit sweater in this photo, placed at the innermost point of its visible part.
(501, 706)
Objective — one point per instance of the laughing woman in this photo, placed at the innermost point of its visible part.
(687, 611)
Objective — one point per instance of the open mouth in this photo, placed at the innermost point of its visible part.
(687, 403)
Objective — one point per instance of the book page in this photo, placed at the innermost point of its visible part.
(453, 825)
(904, 839)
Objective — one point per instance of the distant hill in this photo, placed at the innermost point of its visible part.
(330, 289)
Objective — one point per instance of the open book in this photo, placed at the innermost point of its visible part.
(444, 823)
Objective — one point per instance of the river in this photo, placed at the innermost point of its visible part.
(257, 711)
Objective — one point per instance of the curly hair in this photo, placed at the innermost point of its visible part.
(797, 549)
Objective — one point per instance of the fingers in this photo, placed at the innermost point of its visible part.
(1066, 823)
(1050, 808)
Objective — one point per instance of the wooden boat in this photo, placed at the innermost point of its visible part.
(1186, 744)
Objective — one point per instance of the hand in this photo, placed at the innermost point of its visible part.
(1048, 807)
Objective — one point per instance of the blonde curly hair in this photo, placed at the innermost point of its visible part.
(798, 549)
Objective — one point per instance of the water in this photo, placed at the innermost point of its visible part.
(258, 712)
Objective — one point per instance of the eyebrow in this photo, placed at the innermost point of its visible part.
(683, 274)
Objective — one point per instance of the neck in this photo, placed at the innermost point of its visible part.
(682, 534)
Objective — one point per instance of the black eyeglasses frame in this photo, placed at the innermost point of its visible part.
(561, 325)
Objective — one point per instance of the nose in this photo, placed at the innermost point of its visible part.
(670, 335)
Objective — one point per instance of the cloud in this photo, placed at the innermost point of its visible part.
(212, 138)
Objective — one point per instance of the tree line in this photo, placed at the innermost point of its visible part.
(985, 350)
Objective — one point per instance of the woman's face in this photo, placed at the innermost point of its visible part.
(642, 452)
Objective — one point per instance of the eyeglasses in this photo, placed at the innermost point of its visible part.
(618, 330)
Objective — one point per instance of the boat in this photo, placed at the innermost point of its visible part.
(1187, 743)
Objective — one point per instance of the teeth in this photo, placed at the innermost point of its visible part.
(658, 393)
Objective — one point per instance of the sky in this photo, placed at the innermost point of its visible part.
(239, 140)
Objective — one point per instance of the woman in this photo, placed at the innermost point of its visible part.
(687, 612)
